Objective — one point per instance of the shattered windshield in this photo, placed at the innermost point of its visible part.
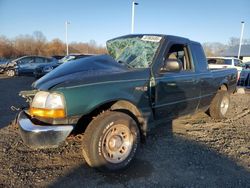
(134, 52)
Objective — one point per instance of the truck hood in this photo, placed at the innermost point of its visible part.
(84, 70)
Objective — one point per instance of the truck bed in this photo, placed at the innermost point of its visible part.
(226, 75)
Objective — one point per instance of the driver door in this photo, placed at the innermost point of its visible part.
(177, 93)
(24, 65)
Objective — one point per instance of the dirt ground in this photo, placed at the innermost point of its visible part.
(192, 151)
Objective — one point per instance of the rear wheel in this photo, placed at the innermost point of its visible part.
(219, 105)
(110, 141)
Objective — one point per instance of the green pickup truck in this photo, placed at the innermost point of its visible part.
(114, 99)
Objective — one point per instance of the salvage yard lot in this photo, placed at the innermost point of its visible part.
(193, 151)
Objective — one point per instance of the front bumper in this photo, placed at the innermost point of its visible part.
(40, 136)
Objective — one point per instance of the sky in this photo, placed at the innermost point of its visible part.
(99, 20)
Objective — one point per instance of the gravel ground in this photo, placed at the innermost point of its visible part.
(192, 151)
(9, 89)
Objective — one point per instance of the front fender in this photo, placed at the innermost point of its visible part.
(81, 100)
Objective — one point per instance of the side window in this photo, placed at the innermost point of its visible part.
(211, 61)
(25, 60)
(180, 52)
(238, 63)
(48, 60)
(39, 60)
(227, 62)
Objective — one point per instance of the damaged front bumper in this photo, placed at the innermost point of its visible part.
(41, 136)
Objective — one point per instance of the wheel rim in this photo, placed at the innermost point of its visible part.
(10, 73)
(117, 143)
(224, 105)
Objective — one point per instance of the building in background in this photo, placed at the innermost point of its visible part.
(233, 52)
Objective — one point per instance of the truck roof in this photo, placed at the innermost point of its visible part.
(172, 37)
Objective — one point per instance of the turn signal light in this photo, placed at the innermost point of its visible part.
(47, 113)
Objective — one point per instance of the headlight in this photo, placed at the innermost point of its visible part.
(48, 105)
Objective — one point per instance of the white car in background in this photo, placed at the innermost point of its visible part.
(225, 62)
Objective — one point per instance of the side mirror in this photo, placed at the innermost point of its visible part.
(172, 65)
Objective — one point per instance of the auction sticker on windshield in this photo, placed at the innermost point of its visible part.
(151, 38)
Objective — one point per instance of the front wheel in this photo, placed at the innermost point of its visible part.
(219, 105)
(110, 141)
(11, 73)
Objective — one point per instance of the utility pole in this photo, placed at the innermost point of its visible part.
(66, 37)
(241, 37)
(133, 16)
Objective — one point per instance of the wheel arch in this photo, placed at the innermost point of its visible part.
(132, 110)
(223, 87)
(122, 105)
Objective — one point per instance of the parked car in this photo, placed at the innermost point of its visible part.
(115, 99)
(244, 79)
(2, 66)
(3, 63)
(247, 65)
(27, 64)
(72, 57)
(58, 57)
(42, 70)
(225, 62)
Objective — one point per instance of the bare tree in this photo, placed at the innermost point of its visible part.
(214, 48)
(55, 47)
(87, 48)
(6, 47)
(24, 45)
(234, 41)
(39, 43)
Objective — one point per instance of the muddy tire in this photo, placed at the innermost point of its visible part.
(219, 105)
(110, 141)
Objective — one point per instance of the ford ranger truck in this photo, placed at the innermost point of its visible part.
(114, 99)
